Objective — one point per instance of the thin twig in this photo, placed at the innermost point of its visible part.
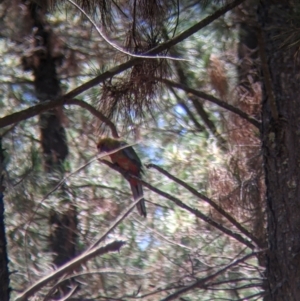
(70, 293)
(96, 113)
(8, 130)
(172, 242)
(202, 282)
(120, 218)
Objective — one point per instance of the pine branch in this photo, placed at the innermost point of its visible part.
(67, 98)
(162, 47)
(214, 100)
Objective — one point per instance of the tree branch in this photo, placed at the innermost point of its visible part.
(162, 47)
(200, 215)
(96, 113)
(214, 100)
(68, 267)
(202, 282)
(197, 105)
(209, 201)
(48, 105)
(119, 219)
(35, 110)
(196, 212)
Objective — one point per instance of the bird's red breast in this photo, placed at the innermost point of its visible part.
(126, 164)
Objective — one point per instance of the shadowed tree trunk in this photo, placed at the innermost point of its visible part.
(248, 68)
(249, 89)
(281, 144)
(4, 274)
(43, 62)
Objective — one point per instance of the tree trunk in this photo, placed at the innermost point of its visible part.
(248, 100)
(281, 144)
(43, 62)
(4, 272)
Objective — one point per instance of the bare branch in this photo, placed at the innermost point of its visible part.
(209, 201)
(214, 100)
(202, 282)
(120, 218)
(196, 212)
(96, 113)
(69, 267)
(200, 215)
(48, 105)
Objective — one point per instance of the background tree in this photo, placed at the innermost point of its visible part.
(42, 60)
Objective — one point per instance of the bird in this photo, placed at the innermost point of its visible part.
(126, 159)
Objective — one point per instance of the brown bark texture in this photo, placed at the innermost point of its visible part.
(249, 96)
(4, 272)
(281, 143)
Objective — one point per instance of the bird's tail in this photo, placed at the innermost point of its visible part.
(137, 191)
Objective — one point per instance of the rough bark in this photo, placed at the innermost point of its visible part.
(248, 68)
(281, 143)
(4, 271)
(249, 95)
(43, 63)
